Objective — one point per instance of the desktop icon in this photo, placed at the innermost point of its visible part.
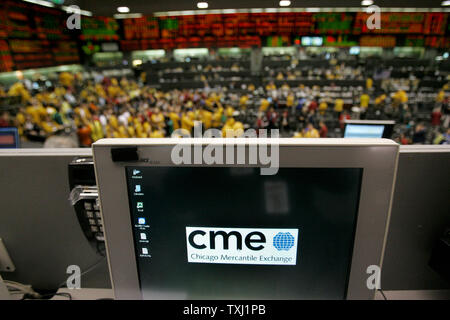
(140, 205)
(143, 236)
(137, 188)
(141, 220)
(136, 172)
(144, 251)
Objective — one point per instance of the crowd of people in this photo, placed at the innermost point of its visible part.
(121, 108)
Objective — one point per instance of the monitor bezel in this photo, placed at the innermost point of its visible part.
(377, 157)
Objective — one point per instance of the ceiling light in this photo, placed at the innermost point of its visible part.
(77, 10)
(285, 3)
(366, 2)
(123, 9)
(445, 3)
(202, 5)
(41, 2)
(127, 15)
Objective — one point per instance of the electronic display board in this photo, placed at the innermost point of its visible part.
(403, 23)
(283, 29)
(34, 36)
(333, 23)
(99, 28)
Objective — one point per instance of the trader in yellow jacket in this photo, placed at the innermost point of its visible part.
(206, 117)
(364, 101)
(217, 118)
(173, 115)
(338, 105)
(400, 97)
(311, 132)
(187, 121)
(264, 105)
(323, 106)
(18, 89)
(232, 129)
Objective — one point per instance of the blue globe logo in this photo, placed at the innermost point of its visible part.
(283, 241)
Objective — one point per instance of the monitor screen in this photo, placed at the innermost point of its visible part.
(221, 232)
(363, 131)
(355, 50)
(312, 41)
(9, 138)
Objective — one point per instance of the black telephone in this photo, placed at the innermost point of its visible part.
(84, 199)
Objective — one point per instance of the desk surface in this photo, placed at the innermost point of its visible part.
(414, 295)
(107, 294)
(95, 294)
(85, 294)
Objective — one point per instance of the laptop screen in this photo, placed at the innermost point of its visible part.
(363, 131)
(229, 232)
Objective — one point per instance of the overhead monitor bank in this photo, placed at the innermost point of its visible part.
(185, 219)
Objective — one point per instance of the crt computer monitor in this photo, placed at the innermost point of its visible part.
(9, 138)
(420, 215)
(194, 230)
(38, 225)
(368, 128)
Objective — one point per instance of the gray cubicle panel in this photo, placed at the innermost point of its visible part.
(420, 212)
(38, 225)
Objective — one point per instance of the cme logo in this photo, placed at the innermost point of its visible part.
(264, 246)
(283, 241)
(200, 239)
